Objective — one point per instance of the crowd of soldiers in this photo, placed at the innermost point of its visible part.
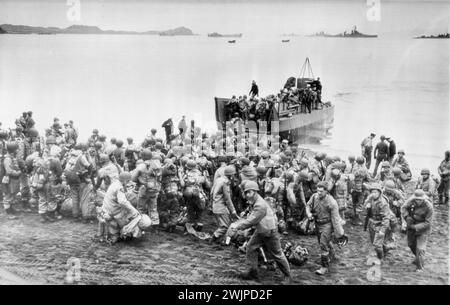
(254, 194)
(299, 100)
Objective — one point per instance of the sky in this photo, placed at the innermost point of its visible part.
(251, 17)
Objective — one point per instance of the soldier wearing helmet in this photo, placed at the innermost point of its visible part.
(338, 188)
(428, 185)
(194, 185)
(395, 199)
(118, 154)
(147, 177)
(400, 161)
(380, 218)
(444, 172)
(396, 172)
(93, 138)
(131, 155)
(418, 215)
(107, 173)
(380, 153)
(169, 203)
(11, 178)
(385, 173)
(351, 164)
(117, 209)
(266, 234)
(357, 178)
(222, 204)
(324, 210)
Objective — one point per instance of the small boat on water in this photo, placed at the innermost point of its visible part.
(232, 41)
(285, 120)
(285, 40)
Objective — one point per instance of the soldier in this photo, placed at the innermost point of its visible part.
(444, 172)
(401, 162)
(380, 153)
(360, 176)
(418, 215)
(11, 178)
(71, 135)
(266, 234)
(380, 217)
(78, 170)
(385, 173)
(148, 178)
(396, 171)
(194, 184)
(338, 186)
(428, 185)
(47, 182)
(395, 199)
(93, 138)
(131, 155)
(169, 205)
(118, 154)
(351, 164)
(107, 173)
(3, 152)
(222, 206)
(119, 212)
(324, 210)
(366, 149)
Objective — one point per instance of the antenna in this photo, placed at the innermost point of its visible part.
(306, 69)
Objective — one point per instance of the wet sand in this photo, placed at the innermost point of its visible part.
(39, 253)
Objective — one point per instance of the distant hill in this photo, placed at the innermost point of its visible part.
(85, 29)
(178, 31)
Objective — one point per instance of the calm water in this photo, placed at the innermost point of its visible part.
(125, 85)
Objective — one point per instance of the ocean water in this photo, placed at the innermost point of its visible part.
(126, 85)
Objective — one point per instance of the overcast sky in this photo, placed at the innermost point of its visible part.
(251, 17)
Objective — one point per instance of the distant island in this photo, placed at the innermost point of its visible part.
(85, 29)
(290, 35)
(352, 34)
(439, 36)
(215, 34)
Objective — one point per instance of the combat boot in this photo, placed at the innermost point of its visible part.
(252, 274)
(52, 216)
(380, 254)
(287, 280)
(324, 268)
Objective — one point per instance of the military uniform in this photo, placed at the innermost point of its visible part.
(116, 209)
(380, 232)
(77, 171)
(148, 177)
(266, 234)
(169, 205)
(194, 195)
(444, 187)
(429, 187)
(11, 180)
(418, 214)
(222, 206)
(361, 175)
(326, 214)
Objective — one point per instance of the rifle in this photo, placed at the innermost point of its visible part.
(368, 216)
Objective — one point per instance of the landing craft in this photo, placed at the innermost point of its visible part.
(286, 120)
